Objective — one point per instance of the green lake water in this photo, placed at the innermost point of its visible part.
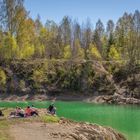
(125, 119)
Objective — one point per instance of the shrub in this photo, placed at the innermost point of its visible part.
(2, 78)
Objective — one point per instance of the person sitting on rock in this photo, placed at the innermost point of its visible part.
(1, 114)
(30, 111)
(17, 113)
(20, 112)
(51, 109)
(34, 111)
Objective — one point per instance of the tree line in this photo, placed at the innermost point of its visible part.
(21, 37)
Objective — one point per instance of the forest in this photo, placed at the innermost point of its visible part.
(37, 57)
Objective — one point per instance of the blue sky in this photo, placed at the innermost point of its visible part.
(80, 9)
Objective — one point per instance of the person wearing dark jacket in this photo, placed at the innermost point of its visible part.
(1, 114)
(51, 109)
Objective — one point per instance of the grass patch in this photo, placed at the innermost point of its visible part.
(4, 130)
(49, 119)
(44, 119)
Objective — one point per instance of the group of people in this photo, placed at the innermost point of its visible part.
(29, 111)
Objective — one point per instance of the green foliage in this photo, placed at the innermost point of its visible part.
(29, 39)
(38, 77)
(114, 53)
(40, 50)
(2, 78)
(22, 84)
(72, 78)
(50, 119)
(77, 51)
(81, 53)
(94, 53)
(9, 47)
(67, 49)
(27, 52)
(67, 52)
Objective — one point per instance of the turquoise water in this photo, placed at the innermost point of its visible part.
(125, 119)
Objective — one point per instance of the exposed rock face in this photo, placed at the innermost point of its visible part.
(43, 79)
(115, 99)
(85, 131)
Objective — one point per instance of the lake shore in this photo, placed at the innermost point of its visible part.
(101, 99)
(64, 130)
(56, 129)
(119, 117)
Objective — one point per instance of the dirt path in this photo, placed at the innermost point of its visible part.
(40, 131)
(66, 130)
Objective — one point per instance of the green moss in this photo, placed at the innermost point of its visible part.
(2, 78)
(48, 119)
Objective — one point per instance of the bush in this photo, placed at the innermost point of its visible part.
(2, 78)
(38, 77)
(47, 119)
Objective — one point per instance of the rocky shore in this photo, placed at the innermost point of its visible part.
(64, 130)
(114, 99)
(102, 99)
